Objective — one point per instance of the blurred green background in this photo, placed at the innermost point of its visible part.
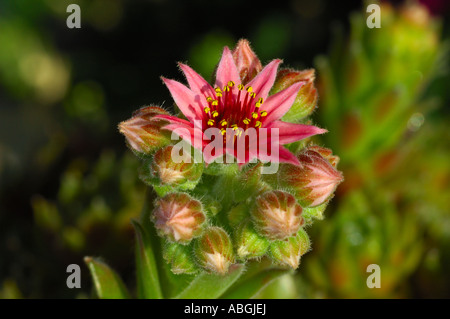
(69, 185)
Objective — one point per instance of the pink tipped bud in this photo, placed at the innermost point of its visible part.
(143, 132)
(277, 215)
(247, 62)
(183, 172)
(214, 250)
(178, 217)
(307, 97)
(326, 153)
(313, 181)
(288, 252)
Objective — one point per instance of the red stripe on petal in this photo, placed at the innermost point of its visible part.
(278, 104)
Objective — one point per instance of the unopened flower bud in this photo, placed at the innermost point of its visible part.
(214, 250)
(182, 173)
(143, 132)
(307, 97)
(325, 153)
(180, 258)
(248, 242)
(179, 217)
(247, 62)
(277, 215)
(313, 181)
(288, 251)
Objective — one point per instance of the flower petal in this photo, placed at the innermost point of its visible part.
(196, 82)
(278, 104)
(227, 70)
(188, 102)
(263, 82)
(190, 134)
(292, 132)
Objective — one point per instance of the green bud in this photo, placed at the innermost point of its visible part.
(180, 258)
(277, 215)
(248, 242)
(214, 250)
(288, 251)
(307, 97)
(178, 217)
(183, 175)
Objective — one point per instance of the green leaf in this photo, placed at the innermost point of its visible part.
(211, 286)
(107, 283)
(146, 269)
(251, 287)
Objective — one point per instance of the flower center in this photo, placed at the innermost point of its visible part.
(235, 107)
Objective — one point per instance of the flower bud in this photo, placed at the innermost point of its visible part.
(313, 181)
(179, 217)
(288, 251)
(214, 250)
(325, 153)
(180, 258)
(248, 242)
(277, 215)
(184, 174)
(307, 97)
(143, 132)
(247, 62)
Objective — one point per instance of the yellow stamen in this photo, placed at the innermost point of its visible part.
(246, 121)
(230, 84)
(210, 122)
(249, 89)
(254, 115)
(218, 90)
(263, 113)
(235, 127)
(253, 94)
(257, 104)
(226, 88)
(261, 100)
(206, 109)
(209, 99)
(240, 87)
(223, 122)
(215, 114)
(258, 124)
(219, 94)
(215, 103)
(223, 131)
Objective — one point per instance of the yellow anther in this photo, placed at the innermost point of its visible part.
(260, 100)
(246, 121)
(258, 124)
(230, 84)
(253, 94)
(226, 88)
(240, 87)
(223, 122)
(206, 109)
(209, 99)
(223, 131)
(235, 127)
(249, 89)
(215, 103)
(254, 115)
(219, 94)
(263, 113)
(257, 104)
(210, 122)
(240, 133)
(215, 114)
(218, 90)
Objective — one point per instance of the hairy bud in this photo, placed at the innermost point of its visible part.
(277, 214)
(288, 251)
(214, 250)
(180, 258)
(143, 132)
(179, 217)
(249, 243)
(247, 62)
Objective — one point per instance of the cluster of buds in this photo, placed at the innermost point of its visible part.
(213, 215)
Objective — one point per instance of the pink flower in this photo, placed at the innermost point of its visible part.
(233, 108)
